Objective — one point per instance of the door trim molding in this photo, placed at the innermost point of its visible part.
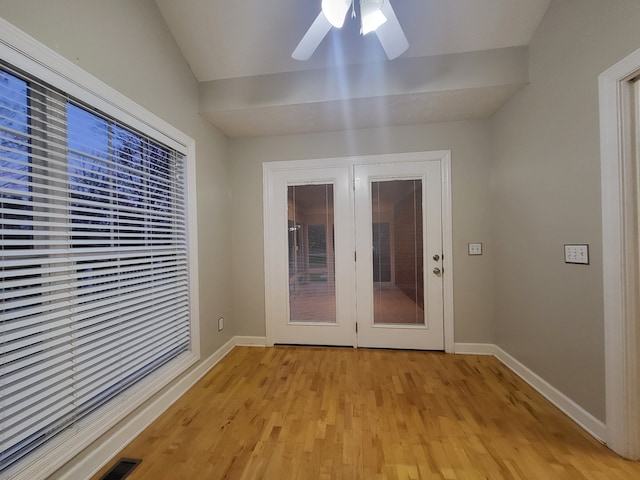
(620, 257)
(444, 156)
(447, 252)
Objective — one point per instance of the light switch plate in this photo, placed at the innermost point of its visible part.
(475, 249)
(578, 254)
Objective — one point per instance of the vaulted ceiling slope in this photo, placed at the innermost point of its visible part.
(465, 59)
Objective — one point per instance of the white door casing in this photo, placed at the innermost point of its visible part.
(621, 251)
(276, 177)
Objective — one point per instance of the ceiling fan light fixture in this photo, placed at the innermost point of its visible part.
(336, 11)
(371, 14)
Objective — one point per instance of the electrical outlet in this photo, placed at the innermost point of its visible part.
(221, 324)
(576, 254)
(475, 249)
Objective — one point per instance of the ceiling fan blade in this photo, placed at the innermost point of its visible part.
(316, 33)
(390, 33)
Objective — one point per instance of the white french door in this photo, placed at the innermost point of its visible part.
(309, 275)
(399, 255)
(354, 252)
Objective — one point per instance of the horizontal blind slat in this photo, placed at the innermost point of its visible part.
(124, 334)
(95, 379)
(26, 383)
(37, 361)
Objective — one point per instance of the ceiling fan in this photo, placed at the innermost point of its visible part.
(375, 16)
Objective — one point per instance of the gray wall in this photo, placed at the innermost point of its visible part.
(469, 145)
(545, 187)
(127, 45)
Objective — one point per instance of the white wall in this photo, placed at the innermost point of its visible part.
(546, 192)
(469, 145)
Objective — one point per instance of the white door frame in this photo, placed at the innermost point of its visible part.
(444, 156)
(620, 256)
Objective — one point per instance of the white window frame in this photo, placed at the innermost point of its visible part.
(29, 55)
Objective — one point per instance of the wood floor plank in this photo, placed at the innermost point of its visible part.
(322, 413)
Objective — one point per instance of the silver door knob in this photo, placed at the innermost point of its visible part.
(437, 271)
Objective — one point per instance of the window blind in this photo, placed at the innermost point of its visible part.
(94, 287)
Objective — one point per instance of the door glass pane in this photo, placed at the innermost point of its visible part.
(312, 288)
(398, 281)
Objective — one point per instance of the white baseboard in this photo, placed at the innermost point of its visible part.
(87, 465)
(474, 349)
(251, 341)
(584, 419)
(588, 422)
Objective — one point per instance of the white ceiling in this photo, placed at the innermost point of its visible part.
(250, 41)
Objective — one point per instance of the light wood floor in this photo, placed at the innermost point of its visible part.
(319, 413)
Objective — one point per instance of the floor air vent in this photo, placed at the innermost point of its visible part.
(122, 469)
